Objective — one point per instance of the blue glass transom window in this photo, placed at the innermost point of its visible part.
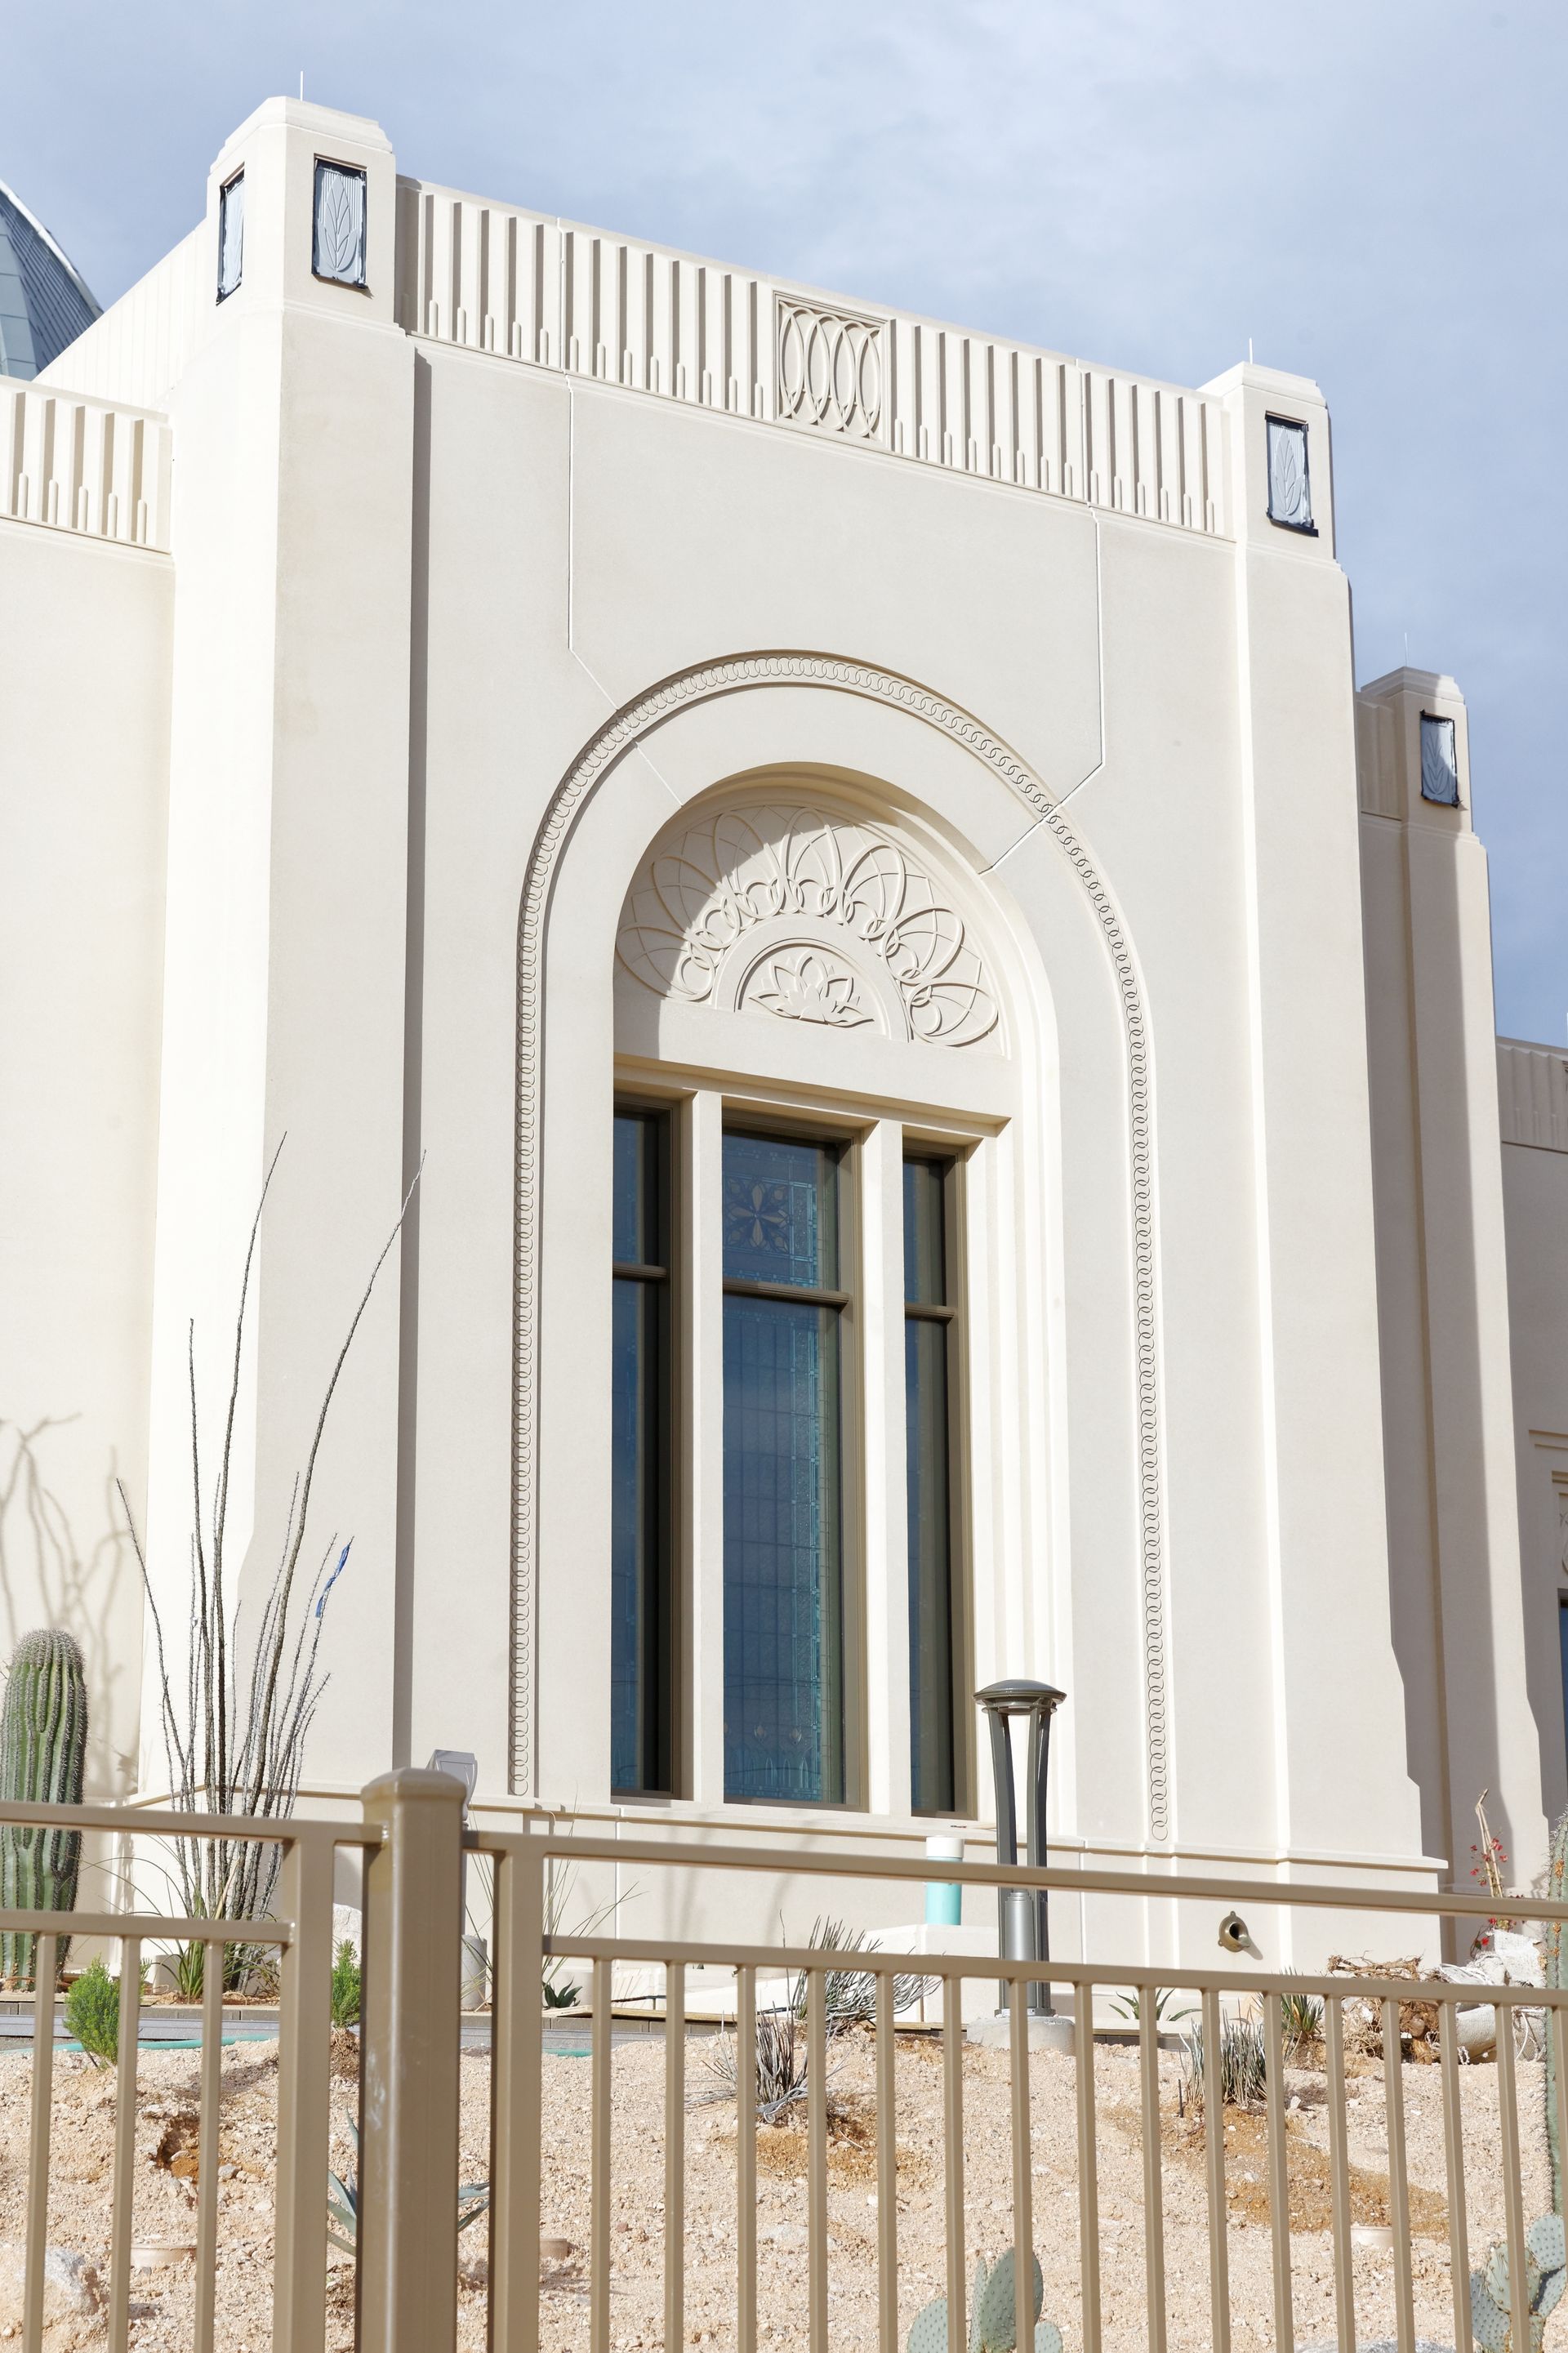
(641, 1471)
(783, 1608)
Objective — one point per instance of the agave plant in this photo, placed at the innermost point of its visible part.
(992, 2320)
(342, 2201)
(1545, 2275)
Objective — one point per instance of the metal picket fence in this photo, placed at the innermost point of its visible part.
(406, 2283)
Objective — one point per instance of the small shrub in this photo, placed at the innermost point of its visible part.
(345, 1986)
(1243, 2065)
(851, 1995)
(1301, 2021)
(92, 2013)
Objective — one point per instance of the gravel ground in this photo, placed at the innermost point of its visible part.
(82, 2177)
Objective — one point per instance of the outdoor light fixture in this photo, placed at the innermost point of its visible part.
(1023, 1920)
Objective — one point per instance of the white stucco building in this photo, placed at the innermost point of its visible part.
(952, 1051)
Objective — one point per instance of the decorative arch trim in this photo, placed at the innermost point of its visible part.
(619, 733)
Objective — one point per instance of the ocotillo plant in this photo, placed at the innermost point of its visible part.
(43, 1743)
(1556, 1976)
(234, 1734)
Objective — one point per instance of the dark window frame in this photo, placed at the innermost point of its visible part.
(660, 1663)
(949, 1313)
(234, 179)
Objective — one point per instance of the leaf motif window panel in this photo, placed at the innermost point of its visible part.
(338, 225)
(1440, 761)
(1289, 482)
(230, 237)
(783, 1580)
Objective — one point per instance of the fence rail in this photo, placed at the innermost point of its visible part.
(1015, 2147)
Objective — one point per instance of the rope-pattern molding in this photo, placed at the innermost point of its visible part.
(627, 727)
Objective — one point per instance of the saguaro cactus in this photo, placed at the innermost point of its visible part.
(43, 1743)
(1556, 1976)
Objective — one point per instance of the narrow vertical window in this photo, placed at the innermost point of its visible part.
(337, 228)
(1439, 762)
(641, 1519)
(784, 1600)
(230, 235)
(931, 1396)
(1563, 1649)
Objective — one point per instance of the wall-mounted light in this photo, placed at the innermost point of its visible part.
(1440, 761)
(1289, 484)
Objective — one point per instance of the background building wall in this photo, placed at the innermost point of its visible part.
(1442, 1286)
(1532, 1088)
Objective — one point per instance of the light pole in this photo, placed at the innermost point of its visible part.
(1023, 1924)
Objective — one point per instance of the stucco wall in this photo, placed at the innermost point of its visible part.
(86, 630)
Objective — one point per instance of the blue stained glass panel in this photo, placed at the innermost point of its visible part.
(784, 1617)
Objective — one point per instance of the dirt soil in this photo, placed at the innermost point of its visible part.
(82, 2163)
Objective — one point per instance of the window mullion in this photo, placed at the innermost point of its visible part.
(885, 1578)
(702, 1355)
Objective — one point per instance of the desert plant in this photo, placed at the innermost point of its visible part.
(1243, 2064)
(92, 2013)
(1491, 2307)
(993, 2322)
(235, 1737)
(782, 2072)
(851, 1995)
(342, 2201)
(1300, 2021)
(43, 1743)
(1555, 1976)
(1131, 2006)
(345, 1986)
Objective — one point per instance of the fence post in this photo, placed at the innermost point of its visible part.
(408, 2069)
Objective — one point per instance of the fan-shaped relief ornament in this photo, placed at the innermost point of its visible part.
(701, 892)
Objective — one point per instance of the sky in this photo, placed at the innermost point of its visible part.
(1364, 188)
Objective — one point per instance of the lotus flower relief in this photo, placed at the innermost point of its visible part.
(698, 895)
(802, 986)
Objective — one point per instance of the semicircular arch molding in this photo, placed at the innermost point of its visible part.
(628, 727)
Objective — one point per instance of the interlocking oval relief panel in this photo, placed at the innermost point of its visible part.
(788, 913)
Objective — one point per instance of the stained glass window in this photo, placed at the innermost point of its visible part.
(641, 1544)
(1289, 486)
(929, 1396)
(783, 1611)
(230, 235)
(337, 236)
(1439, 762)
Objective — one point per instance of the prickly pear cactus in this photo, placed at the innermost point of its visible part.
(990, 2317)
(1556, 1976)
(995, 2331)
(1545, 2275)
(43, 1743)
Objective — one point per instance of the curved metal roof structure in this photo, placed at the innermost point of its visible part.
(45, 303)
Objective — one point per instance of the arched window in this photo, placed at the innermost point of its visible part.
(811, 1054)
